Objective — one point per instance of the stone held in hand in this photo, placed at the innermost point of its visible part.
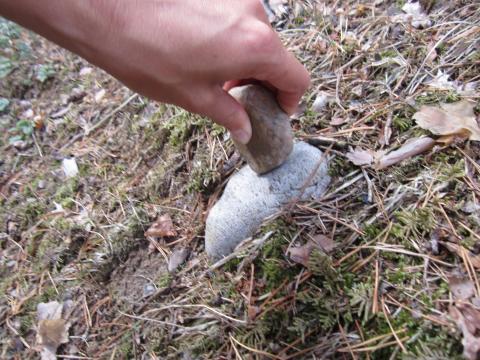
(272, 136)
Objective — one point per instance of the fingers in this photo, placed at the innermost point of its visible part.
(291, 80)
(226, 111)
(270, 63)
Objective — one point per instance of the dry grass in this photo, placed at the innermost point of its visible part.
(400, 233)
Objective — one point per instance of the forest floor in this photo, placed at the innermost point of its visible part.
(396, 276)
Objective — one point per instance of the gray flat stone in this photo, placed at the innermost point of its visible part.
(272, 136)
(249, 198)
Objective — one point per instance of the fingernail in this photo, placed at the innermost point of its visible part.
(241, 136)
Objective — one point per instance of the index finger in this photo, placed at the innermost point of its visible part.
(290, 78)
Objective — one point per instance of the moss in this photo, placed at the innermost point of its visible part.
(371, 231)
(435, 97)
(125, 346)
(339, 167)
(65, 194)
(202, 178)
(401, 123)
(164, 281)
(181, 125)
(273, 272)
(27, 323)
(451, 168)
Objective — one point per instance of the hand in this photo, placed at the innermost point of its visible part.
(186, 52)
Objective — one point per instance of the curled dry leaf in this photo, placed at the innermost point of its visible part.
(458, 138)
(52, 329)
(449, 119)
(162, 227)
(301, 254)
(410, 149)
(467, 318)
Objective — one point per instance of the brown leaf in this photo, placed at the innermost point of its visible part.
(361, 157)
(410, 149)
(461, 251)
(52, 329)
(337, 121)
(449, 119)
(326, 243)
(467, 318)
(52, 333)
(460, 137)
(162, 227)
(301, 254)
(461, 287)
(253, 311)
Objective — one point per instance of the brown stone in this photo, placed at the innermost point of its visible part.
(272, 136)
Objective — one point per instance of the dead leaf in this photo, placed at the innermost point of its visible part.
(301, 254)
(471, 207)
(177, 258)
(162, 227)
(410, 149)
(52, 329)
(322, 100)
(460, 137)
(326, 243)
(70, 167)
(449, 119)
(442, 82)
(361, 157)
(419, 19)
(467, 318)
(461, 287)
(461, 251)
(99, 95)
(253, 311)
(337, 121)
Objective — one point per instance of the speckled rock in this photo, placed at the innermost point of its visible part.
(249, 198)
(272, 137)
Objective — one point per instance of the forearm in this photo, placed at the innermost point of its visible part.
(184, 52)
(69, 23)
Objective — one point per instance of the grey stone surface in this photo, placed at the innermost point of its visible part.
(272, 136)
(249, 198)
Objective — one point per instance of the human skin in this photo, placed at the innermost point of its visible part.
(184, 52)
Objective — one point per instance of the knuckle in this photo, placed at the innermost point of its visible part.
(260, 39)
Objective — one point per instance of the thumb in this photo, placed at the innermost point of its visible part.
(228, 112)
